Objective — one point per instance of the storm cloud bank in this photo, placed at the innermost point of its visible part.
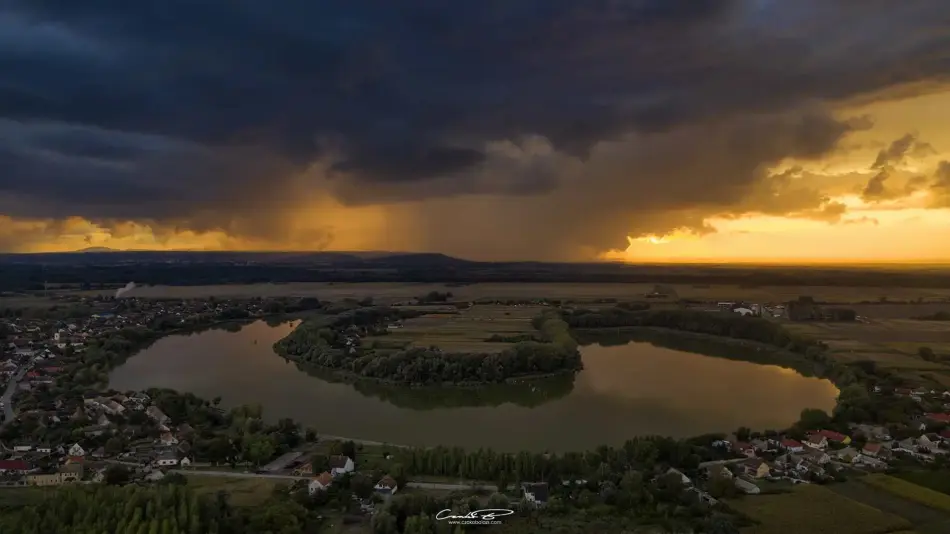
(575, 123)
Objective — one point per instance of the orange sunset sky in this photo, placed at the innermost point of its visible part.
(651, 131)
(904, 228)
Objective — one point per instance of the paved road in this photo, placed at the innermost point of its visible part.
(420, 485)
(7, 398)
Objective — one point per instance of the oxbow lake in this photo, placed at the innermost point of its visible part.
(626, 390)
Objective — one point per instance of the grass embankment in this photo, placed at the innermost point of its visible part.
(910, 491)
(815, 510)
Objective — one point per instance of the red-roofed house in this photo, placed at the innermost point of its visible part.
(14, 466)
(939, 417)
(835, 437)
(744, 448)
(320, 483)
(792, 445)
(871, 449)
(816, 441)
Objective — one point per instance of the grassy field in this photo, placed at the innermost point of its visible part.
(462, 330)
(935, 480)
(891, 343)
(384, 292)
(816, 510)
(910, 491)
(243, 491)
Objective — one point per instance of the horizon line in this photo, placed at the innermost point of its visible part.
(645, 261)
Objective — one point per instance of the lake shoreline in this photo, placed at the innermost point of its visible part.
(624, 392)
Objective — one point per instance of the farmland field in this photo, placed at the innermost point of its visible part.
(890, 343)
(462, 330)
(935, 480)
(816, 510)
(243, 491)
(909, 491)
(926, 520)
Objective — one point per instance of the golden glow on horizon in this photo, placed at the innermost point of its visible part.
(899, 230)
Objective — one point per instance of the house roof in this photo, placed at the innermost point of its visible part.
(816, 438)
(538, 489)
(338, 461)
(753, 462)
(872, 447)
(324, 479)
(13, 465)
(832, 435)
(791, 443)
(387, 482)
(939, 417)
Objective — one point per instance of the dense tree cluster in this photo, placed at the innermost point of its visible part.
(127, 510)
(717, 324)
(166, 508)
(630, 484)
(323, 344)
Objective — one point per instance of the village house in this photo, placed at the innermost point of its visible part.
(76, 451)
(167, 439)
(718, 470)
(13, 467)
(817, 441)
(747, 487)
(755, 468)
(319, 483)
(340, 465)
(834, 437)
(166, 459)
(847, 454)
(69, 473)
(744, 449)
(872, 449)
(683, 478)
(792, 445)
(816, 456)
(535, 492)
(156, 415)
(386, 486)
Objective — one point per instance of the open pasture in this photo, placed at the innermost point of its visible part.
(816, 510)
(463, 330)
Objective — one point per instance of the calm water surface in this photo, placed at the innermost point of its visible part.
(623, 391)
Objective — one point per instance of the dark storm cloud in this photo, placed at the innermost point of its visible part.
(940, 188)
(895, 152)
(200, 111)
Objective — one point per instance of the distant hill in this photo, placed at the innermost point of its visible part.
(97, 249)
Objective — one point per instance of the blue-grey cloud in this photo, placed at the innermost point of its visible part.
(200, 108)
